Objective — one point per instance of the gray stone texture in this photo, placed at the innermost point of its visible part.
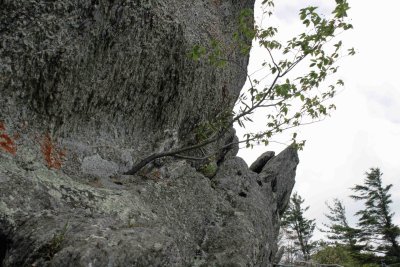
(177, 217)
(96, 86)
(99, 167)
(116, 73)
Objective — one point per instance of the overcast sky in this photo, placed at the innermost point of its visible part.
(364, 131)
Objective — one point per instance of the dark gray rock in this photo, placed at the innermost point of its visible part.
(260, 162)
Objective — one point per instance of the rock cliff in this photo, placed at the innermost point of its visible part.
(87, 89)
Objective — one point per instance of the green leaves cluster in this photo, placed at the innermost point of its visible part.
(291, 102)
(209, 169)
(210, 128)
(214, 54)
(246, 32)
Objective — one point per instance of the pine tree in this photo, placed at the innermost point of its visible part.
(375, 220)
(338, 230)
(298, 226)
(291, 252)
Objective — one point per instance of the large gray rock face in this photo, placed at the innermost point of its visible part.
(90, 87)
(116, 70)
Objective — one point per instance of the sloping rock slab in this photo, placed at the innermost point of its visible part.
(175, 217)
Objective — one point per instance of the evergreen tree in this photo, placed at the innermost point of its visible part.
(298, 226)
(291, 252)
(375, 220)
(338, 230)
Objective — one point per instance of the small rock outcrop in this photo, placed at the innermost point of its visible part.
(88, 88)
(280, 172)
(260, 162)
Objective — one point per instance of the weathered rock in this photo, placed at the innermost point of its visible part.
(90, 87)
(116, 73)
(260, 162)
(99, 167)
(280, 172)
(179, 218)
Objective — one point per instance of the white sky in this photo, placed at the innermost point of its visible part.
(364, 132)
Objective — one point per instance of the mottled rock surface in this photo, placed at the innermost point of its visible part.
(87, 89)
(175, 218)
(116, 73)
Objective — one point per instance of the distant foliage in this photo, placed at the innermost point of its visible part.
(335, 255)
(375, 241)
(377, 230)
(338, 230)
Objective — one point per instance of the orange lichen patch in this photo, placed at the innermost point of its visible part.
(53, 155)
(6, 142)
